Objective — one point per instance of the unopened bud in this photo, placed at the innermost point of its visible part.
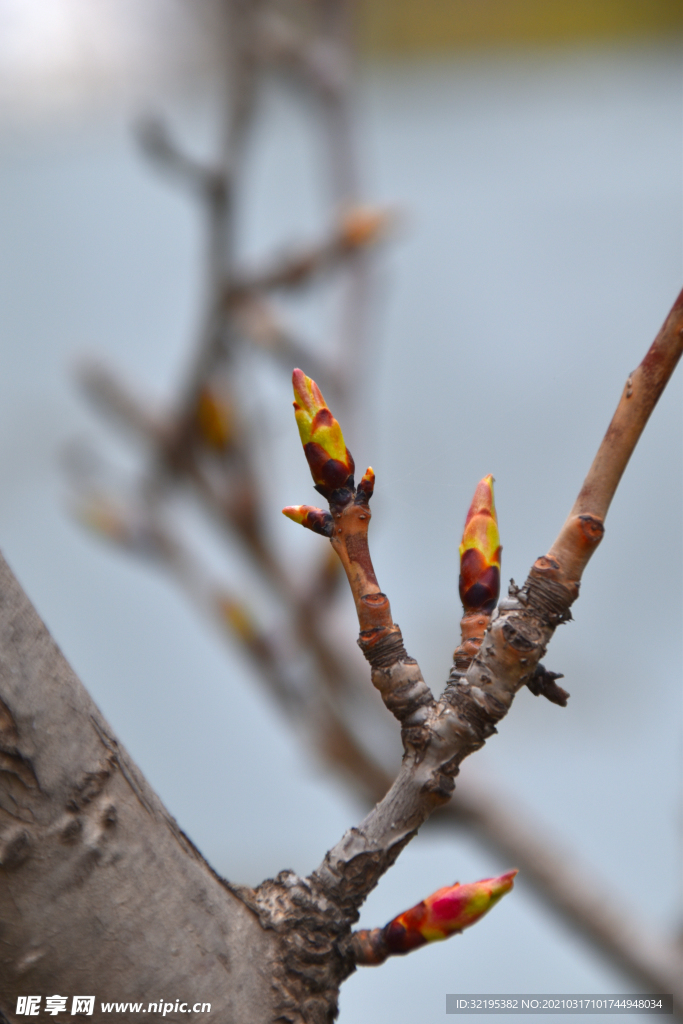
(445, 912)
(366, 486)
(328, 457)
(480, 552)
(312, 518)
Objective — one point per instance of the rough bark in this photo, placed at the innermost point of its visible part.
(101, 893)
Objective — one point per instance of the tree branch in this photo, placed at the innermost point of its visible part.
(472, 705)
(640, 395)
(437, 735)
(157, 144)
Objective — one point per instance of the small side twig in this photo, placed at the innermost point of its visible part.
(157, 143)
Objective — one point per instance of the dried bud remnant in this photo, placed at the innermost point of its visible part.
(480, 552)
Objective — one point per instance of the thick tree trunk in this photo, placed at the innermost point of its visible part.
(100, 892)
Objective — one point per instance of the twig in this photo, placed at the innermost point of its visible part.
(641, 393)
(436, 734)
(306, 704)
(110, 396)
(355, 230)
(157, 143)
(315, 60)
(443, 733)
(258, 321)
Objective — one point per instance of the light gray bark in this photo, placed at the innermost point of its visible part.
(101, 893)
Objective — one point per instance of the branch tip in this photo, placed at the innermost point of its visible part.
(480, 552)
(396, 676)
(328, 458)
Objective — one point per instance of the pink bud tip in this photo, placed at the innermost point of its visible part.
(445, 912)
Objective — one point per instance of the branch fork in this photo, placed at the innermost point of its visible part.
(501, 648)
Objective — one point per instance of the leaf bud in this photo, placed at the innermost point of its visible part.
(366, 486)
(312, 518)
(480, 552)
(329, 459)
(445, 912)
